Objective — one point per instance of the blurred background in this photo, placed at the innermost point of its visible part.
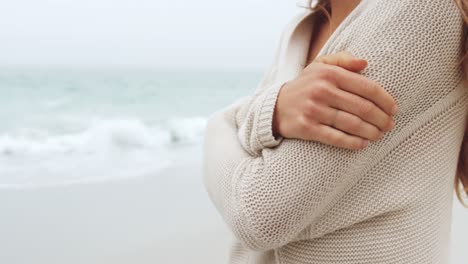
(103, 107)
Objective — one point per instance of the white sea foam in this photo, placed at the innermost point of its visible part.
(105, 136)
(64, 125)
(105, 149)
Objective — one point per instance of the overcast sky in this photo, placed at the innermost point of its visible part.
(155, 33)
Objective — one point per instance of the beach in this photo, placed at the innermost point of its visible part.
(161, 218)
(105, 166)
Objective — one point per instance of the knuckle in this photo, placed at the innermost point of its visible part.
(354, 123)
(311, 69)
(334, 138)
(365, 109)
(313, 108)
(321, 89)
(325, 72)
(370, 88)
(303, 124)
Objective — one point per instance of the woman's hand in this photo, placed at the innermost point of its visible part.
(332, 103)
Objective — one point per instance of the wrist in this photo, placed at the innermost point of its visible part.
(268, 133)
(276, 115)
(275, 124)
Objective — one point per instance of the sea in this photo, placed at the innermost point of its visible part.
(62, 125)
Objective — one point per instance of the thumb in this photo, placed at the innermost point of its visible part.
(343, 59)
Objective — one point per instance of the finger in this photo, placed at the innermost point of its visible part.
(361, 107)
(331, 136)
(343, 121)
(343, 59)
(360, 85)
(353, 125)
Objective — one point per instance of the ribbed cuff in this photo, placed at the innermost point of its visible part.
(264, 125)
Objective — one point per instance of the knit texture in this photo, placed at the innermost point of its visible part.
(295, 201)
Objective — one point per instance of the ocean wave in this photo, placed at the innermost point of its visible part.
(122, 134)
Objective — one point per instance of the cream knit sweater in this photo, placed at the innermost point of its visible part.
(294, 201)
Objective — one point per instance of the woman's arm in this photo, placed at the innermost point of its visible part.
(270, 200)
(278, 196)
(255, 115)
(304, 108)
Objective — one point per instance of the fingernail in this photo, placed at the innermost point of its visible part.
(392, 125)
(394, 110)
(381, 134)
(365, 143)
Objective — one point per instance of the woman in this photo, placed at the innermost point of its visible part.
(286, 169)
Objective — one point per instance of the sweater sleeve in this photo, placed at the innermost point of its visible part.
(276, 197)
(255, 119)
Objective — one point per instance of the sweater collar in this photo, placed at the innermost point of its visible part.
(294, 46)
(296, 41)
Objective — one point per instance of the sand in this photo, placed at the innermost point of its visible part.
(161, 218)
(164, 218)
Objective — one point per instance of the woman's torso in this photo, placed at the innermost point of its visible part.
(400, 210)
